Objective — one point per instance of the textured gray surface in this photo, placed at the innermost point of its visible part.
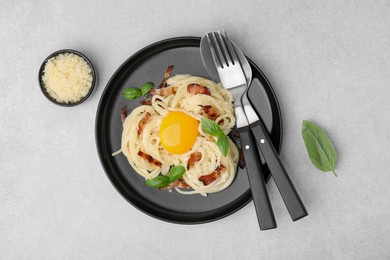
(329, 61)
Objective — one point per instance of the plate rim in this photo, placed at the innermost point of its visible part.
(187, 41)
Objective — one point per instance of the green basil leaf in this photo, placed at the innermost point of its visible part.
(320, 149)
(223, 144)
(131, 93)
(211, 128)
(146, 88)
(176, 172)
(158, 182)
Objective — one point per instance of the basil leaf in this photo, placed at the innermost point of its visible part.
(146, 88)
(131, 93)
(223, 144)
(211, 128)
(176, 172)
(158, 182)
(320, 149)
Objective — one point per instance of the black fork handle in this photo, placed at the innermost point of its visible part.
(265, 214)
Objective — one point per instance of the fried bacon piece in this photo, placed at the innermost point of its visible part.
(194, 157)
(147, 102)
(166, 76)
(180, 183)
(149, 159)
(209, 178)
(241, 159)
(123, 114)
(143, 122)
(210, 112)
(196, 89)
(162, 92)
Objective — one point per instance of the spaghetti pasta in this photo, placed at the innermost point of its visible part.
(141, 142)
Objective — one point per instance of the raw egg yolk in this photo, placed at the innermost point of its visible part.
(178, 132)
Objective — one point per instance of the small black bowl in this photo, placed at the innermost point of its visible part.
(41, 83)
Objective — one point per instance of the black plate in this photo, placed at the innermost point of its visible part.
(149, 64)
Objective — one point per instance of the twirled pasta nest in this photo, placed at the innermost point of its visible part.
(207, 169)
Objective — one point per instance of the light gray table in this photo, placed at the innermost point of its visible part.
(328, 61)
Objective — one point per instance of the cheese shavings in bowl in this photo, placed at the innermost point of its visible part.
(67, 78)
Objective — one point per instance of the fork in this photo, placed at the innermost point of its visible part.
(285, 186)
(233, 79)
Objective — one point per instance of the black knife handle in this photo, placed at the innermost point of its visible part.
(265, 214)
(285, 186)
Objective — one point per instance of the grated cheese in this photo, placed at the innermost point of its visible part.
(67, 77)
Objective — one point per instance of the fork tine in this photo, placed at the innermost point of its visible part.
(230, 47)
(216, 59)
(224, 62)
(225, 52)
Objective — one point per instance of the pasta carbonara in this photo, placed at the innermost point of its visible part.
(207, 169)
